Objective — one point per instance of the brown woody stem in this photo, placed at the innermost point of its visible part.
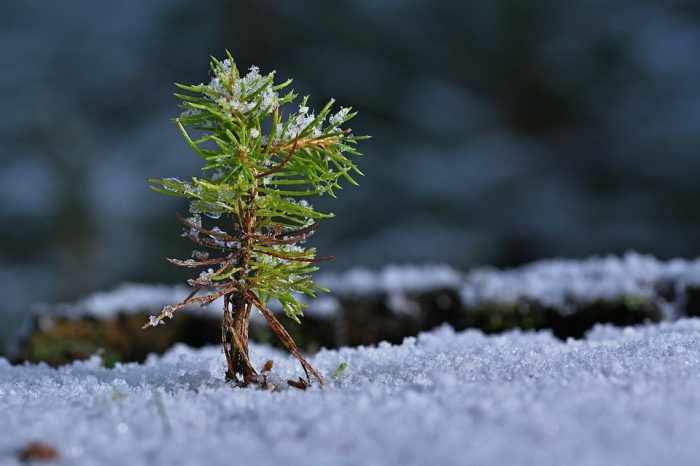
(284, 337)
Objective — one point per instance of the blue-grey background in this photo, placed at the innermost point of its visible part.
(503, 131)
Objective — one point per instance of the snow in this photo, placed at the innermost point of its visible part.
(339, 116)
(128, 297)
(553, 283)
(393, 279)
(622, 396)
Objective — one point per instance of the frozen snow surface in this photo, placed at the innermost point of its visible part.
(619, 397)
(554, 283)
(558, 282)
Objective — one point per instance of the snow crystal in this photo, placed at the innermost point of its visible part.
(218, 241)
(297, 125)
(195, 220)
(622, 397)
(338, 117)
(168, 311)
(153, 321)
(190, 112)
(200, 255)
(205, 275)
(168, 187)
(234, 98)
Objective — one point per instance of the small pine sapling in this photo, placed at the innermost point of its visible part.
(249, 208)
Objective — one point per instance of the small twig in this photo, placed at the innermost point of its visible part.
(296, 232)
(208, 243)
(288, 240)
(306, 142)
(281, 164)
(201, 300)
(214, 234)
(297, 259)
(300, 384)
(193, 263)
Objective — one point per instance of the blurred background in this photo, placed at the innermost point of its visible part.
(503, 131)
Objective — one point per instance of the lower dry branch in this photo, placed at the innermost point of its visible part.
(190, 299)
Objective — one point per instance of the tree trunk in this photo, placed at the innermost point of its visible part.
(235, 339)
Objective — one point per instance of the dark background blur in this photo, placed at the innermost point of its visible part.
(503, 131)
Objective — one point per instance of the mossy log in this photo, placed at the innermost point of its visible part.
(359, 320)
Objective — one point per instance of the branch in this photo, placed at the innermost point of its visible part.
(214, 234)
(168, 310)
(290, 240)
(297, 232)
(297, 259)
(190, 299)
(281, 164)
(284, 337)
(307, 141)
(208, 243)
(194, 263)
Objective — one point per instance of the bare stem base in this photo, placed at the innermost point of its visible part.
(234, 338)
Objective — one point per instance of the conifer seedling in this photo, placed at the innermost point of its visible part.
(263, 158)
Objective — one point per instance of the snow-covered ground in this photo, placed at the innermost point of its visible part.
(554, 283)
(619, 397)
